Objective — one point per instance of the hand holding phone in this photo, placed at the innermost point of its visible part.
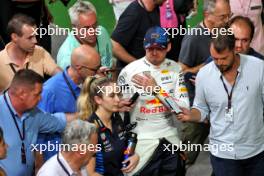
(134, 98)
(173, 105)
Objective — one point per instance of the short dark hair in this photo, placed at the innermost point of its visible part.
(17, 22)
(1, 135)
(26, 77)
(247, 21)
(223, 42)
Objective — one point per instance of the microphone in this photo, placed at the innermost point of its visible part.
(130, 126)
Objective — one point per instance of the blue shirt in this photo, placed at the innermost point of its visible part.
(243, 136)
(35, 121)
(57, 97)
(103, 47)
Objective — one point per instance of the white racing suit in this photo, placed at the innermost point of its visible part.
(154, 120)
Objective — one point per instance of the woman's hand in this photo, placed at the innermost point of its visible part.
(125, 105)
(132, 162)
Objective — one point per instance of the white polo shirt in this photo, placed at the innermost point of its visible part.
(58, 166)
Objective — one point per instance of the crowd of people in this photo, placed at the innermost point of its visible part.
(125, 104)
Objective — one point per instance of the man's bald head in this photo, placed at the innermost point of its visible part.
(85, 61)
(85, 55)
(243, 29)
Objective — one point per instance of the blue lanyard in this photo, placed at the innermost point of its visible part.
(69, 85)
(62, 166)
(229, 96)
(21, 135)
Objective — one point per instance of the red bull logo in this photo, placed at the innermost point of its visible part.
(160, 109)
(154, 102)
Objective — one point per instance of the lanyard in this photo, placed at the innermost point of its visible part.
(62, 166)
(69, 85)
(229, 96)
(100, 124)
(14, 70)
(21, 135)
(104, 136)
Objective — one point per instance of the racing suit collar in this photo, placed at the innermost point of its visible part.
(151, 65)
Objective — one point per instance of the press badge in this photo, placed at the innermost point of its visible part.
(229, 114)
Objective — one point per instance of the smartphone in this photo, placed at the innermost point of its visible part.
(173, 105)
(134, 98)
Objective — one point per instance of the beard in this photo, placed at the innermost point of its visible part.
(224, 68)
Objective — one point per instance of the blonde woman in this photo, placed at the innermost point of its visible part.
(99, 103)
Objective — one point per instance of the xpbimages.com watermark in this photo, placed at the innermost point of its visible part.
(127, 89)
(214, 148)
(56, 30)
(82, 148)
(214, 32)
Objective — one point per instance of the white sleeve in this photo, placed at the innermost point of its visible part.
(124, 83)
(180, 92)
(199, 99)
(180, 95)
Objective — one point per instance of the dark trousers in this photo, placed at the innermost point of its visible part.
(163, 163)
(253, 166)
(195, 133)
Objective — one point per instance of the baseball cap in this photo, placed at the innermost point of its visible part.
(156, 37)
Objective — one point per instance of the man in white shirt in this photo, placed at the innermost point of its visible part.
(230, 94)
(79, 143)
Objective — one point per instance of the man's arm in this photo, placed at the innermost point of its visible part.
(71, 116)
(181, 98)
(186, 68)
(57, 70)
(120, 53)
(200, 110)
(193, 115)
(49, 123)
(125, 32)
(50, 67)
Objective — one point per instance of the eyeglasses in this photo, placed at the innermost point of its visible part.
(224, 16)
(92, 69)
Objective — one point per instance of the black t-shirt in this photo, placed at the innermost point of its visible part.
(109, 160)
(195, 49)
(254, 53)
(132, 27)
